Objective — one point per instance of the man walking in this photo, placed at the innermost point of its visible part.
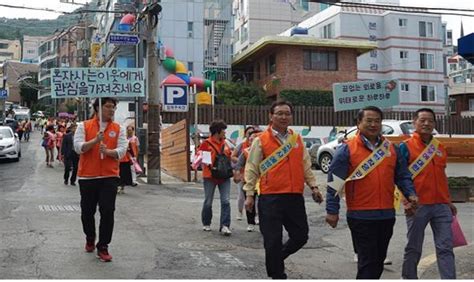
(427, 164)
(367, 167)
(279, 164)
(69, 156)
(101, 145)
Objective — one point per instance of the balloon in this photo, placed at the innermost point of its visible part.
(128, 19)
(180, 68)
(204, 98)
(169, 64)
(169, 53)
(207, 83)
(184, 77)
(198, 81)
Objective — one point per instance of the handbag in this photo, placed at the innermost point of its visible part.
(136, 166)
(458, 236)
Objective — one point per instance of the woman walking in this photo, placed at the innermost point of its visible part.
(49, 140)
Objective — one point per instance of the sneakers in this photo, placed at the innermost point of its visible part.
(120, 190)
(90, 245)
(251, 228)
(225, 231)
(387, 261)
(206, 228)
(104, 255)
(239, 216)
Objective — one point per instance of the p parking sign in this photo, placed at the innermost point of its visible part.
(175, 98)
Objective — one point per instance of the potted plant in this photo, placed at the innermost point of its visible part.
(459, 189)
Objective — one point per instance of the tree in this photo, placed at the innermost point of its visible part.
(308, 97)
(233, 93)
(29, 89)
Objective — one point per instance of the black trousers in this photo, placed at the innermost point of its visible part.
(275, 212)
(69, 163)
(253, 213)
(370, 239)
(102, 192)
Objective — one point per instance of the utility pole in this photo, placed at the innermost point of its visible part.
(154, 120)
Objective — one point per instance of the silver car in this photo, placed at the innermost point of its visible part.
(9, 144)
(389, 127)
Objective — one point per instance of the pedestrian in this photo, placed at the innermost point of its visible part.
(69, 156)
(101, 143)
(59, 141)
(240, 184)
(126, 169)
(21, 129)
(215, 146)
(280, 163)
(366, 168)
(427, 157)
(27, 128)
(134, 143)
(48, 143)
(252, 216)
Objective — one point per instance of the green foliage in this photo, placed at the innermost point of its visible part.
(308, 97)
(232, 93)
(455, 182)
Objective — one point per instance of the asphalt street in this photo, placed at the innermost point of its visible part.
(158, 234)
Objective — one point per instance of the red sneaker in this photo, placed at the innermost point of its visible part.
(104, 255)
(90, 246)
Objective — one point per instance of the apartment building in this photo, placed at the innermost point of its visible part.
(461, 86)
(410, 48)
(10, 50)
(30, 48)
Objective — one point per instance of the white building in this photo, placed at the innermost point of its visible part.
(30, 48)
(410, 48)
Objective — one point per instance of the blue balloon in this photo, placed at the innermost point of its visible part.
(184, 77)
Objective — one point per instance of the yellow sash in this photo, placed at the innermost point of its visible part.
(278, 155)
(424, 158)
(364, 168)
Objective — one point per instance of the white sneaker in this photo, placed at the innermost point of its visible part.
(239, 216)
(387, 261)
(251, 228)
(225, 231)
(355, 258)
(257, 222)
(206, 228)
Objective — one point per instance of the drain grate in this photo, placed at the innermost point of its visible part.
(59, 208)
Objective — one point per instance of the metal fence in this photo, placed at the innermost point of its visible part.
(314, 116)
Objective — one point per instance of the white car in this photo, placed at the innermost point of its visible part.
(9, 144)
(389, 127)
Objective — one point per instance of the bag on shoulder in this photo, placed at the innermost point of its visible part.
(221, 167)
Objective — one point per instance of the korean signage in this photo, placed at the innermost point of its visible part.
(124, 39)
(175, 98)
(357, 95)
(97, 82)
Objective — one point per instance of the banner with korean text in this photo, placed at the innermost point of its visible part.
(357, 95)
(97, 82)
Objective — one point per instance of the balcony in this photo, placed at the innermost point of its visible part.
(467, 113)
(48, 55)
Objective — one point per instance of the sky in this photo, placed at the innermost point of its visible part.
(454, 22)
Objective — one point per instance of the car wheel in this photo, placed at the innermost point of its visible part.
(325, 162)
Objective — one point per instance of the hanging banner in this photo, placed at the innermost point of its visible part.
(359, 94)
(97, 82)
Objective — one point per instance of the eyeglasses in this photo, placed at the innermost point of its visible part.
(281, 114)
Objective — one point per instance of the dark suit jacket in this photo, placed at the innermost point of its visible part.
(67, 147)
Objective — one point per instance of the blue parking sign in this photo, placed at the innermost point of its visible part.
(175, 98)
(3, 93)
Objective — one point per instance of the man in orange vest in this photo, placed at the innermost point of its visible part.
(101, 145)
(427, 162)
(280, 163)
(367, 167)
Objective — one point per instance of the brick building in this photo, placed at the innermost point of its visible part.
(279, 63)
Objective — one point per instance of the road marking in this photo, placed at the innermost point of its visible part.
(232, 261)
(59, 208)
(202, 260)
(224, 259)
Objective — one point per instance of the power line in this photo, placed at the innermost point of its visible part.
(84, 11)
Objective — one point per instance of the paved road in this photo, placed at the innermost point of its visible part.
(158, 234)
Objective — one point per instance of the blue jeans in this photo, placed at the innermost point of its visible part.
(224, 192)
(440, 217)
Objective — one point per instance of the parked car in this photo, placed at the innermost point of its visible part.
(312, 145)
(9, 144)
(325, 152)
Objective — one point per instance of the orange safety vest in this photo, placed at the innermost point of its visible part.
(431, 184)
(288, 175)
(206, 171)
(375, 191)
(90, 163)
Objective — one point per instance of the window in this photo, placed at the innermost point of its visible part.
(471, 104)
(452, 105)
(190, 66)
(271, 64)
(426, 29)
(453, 67)
(320, 60)
(190, 29)
(257, 71)
(30, 51)
(244, 33)
(449, 35)
(428, 93)
(426, 61)
(328, 31)
(402, 22)
(405, 87)
(3, 45)
(403, 54)
(236, 35)
(373, 54)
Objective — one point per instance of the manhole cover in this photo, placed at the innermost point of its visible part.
(204, 246)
